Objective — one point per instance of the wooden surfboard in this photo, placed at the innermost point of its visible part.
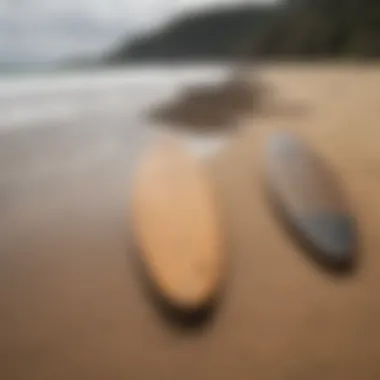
(177, 227)
(309, 198)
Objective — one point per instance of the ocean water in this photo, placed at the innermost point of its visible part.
(99, 108)
(27, 99)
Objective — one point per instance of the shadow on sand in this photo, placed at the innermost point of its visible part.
(207, 108)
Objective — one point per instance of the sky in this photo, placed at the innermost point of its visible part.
(44, 30)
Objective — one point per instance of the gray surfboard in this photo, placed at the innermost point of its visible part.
(307, 194)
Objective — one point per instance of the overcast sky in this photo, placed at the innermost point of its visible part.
(52, 29)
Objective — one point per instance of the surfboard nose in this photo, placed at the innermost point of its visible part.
(283, 143)
(331, 234)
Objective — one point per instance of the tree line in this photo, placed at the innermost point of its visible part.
(301, 29)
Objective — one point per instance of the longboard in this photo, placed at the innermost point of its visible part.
(310, 199)
(176, 226)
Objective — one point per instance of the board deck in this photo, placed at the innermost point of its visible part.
(310, 198)
(176, 224)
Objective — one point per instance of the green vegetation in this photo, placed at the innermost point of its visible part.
(292, 29)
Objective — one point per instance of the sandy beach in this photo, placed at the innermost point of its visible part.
(71, 305)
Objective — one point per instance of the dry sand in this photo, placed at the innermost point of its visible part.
(71, 306)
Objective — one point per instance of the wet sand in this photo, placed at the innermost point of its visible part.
(71, 305)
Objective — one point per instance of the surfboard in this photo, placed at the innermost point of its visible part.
(310, 199)
(176, 226)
